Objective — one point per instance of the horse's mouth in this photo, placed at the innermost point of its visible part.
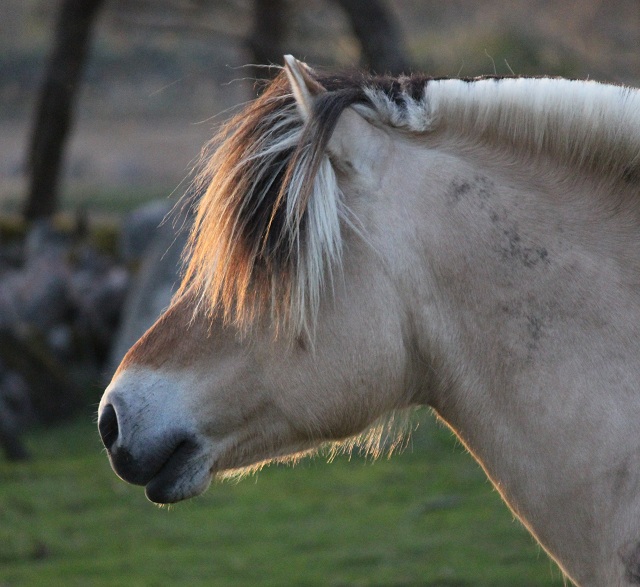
(177, 472)
(184, 474)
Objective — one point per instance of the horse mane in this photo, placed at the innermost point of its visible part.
(268, 227)
(267, 231)
(586, 125)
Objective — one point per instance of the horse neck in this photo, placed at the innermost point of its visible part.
(530, 314)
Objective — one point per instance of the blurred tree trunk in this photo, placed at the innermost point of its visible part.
(266, 41)
(55, 106)
(379, 35)
(373, 24)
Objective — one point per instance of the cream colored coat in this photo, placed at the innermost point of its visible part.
(475, 249)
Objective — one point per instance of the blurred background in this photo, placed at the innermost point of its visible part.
(104, 108)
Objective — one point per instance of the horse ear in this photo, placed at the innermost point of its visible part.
(303, 86)
(354, 143)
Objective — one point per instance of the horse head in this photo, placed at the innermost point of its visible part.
(289, 330)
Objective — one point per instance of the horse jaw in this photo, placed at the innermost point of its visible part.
(156, 437)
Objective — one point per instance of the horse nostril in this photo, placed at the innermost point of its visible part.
(108, 426)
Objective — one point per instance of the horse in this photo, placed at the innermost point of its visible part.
(363, 245)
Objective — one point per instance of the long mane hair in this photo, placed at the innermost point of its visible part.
(268, 228)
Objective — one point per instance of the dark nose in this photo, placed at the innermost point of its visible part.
(108, 426)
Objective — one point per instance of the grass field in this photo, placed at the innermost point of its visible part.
(425, 517)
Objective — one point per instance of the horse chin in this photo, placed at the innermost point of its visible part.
(183, 476)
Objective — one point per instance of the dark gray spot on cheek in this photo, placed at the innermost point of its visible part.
(481, 190)
(513, 249)
(631, 560)
(534, 326)
(480, 187)
(485, 189)
(458, 189)
(534, 329)
(531, 321)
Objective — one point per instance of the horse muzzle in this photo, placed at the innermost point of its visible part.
(146, 449)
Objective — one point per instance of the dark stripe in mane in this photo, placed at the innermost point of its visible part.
(254, 214)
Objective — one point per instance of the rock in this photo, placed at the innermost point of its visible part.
(99, 310)
(86, 258)
(11, 255)
(36, 295)
(139, 229)
(36, 292)
(108, 296)
(60, 306)
(43, 238)
(8, 299)
(53, 395)
(16, 413)
(42, 291)
(12, 445)
(60, 341)
(152, 288)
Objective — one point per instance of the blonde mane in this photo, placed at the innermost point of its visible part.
(582, 124)
(267, 232)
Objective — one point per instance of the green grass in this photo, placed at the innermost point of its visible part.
(426, 517)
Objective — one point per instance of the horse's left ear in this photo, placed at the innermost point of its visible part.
(354, 143)
(303, 86)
